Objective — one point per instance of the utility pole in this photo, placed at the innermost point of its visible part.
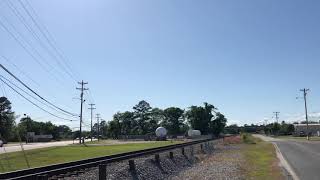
(98, 123)
(304, 90)
(277, 116)
(81, 105)
(91, 108)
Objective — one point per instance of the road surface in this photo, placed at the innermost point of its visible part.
(303, 156)
(16, 147)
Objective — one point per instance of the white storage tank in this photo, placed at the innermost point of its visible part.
(192, 133)
(161, 132)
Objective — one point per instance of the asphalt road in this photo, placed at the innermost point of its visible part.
(303, 157)
(16, 147)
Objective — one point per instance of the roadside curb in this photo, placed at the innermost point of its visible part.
(284, 163)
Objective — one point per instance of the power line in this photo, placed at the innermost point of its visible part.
(73, 114)
(55, 47)
(46, 38)
(32, 96)
(22, 72)
(33, 102)
(33, 33)
(28, 52)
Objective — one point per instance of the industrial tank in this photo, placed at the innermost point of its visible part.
(161, 133)
(192, 133)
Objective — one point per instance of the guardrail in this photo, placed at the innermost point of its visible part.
(63, 168)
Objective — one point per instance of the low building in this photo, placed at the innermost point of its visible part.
(313, 129)
(31, 137)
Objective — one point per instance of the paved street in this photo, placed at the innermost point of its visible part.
(303, 156)
(16, 147)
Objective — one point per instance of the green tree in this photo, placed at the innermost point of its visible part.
(196, 117)
(6, 119)
(218, 124)
(127, 123)
(200, 117)
(142, 113)
(173, 120)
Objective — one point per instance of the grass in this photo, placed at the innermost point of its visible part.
(261, 159)
(54, 155)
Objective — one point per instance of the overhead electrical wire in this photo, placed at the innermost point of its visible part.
(22, 72)
(55, 47)
(34, 34)
(26, 86)
(48, 40)
(32, 96)
(28, 52)
(35, 103)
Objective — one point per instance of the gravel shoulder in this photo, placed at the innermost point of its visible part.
(215, 161)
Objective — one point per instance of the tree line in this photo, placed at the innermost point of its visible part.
(142, 120)
(275, 128)
(10, 131)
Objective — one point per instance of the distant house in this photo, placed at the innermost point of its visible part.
(38, 138)
(314, 129)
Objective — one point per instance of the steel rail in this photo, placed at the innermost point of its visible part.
(64, 168)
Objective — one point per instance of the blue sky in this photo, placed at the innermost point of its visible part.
(248, 58)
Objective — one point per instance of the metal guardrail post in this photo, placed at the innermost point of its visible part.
(191, 150)
(102, 172)
(171, 155)
(132, 166)
(42, 177)
(157, 158)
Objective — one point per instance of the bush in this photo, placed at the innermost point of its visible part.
(247, 138)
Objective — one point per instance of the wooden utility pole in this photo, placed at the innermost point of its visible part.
(277, 116)
(81, 105)
(98, 123)
(304, 90)
(91, 108)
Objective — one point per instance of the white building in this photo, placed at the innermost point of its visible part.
(314, 129)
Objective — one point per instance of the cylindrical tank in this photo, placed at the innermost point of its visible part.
(193, 132)
(161, 132)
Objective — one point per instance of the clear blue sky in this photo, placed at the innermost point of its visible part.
(248, 58)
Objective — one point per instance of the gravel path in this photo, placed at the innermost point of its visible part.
(221, 163)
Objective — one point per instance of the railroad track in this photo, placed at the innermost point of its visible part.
(64, 168)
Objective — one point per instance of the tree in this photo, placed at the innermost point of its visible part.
(142, 115)
(196, 117)
(173, 121)
(201, 117)
(218, 124)
(6, 119)
(128, 126)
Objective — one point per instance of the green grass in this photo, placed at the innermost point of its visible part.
(261, 159)
(54, 155)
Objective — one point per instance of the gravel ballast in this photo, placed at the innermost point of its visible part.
(213, 162)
